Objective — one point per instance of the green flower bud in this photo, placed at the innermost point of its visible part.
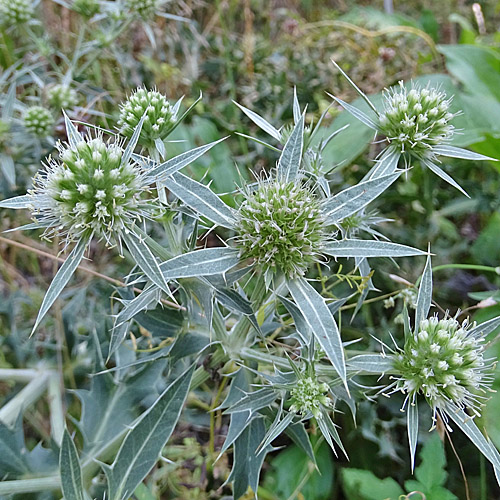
(39, 121)
(15, 12)
(416, 120)
(62, 97)
(91, 190)
(160, 116)
(86, 8)
(445, 364)
(280, 226)
(309, 395)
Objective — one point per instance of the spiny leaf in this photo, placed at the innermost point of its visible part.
(369, 248)
(71, 473)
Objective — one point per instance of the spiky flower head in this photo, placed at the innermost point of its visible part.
(309, 395)
(15, 12)
(143, 8)
(39, 121)
(62, 96)
(86, 8)
(416, 120)
(91, 190)
(444, 362)
(160, 116)
(281, 227)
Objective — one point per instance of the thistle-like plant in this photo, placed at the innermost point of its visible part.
(416, 125)
(39, 121)
(442, 361)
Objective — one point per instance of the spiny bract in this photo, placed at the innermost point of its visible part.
(39, 121)
(62, 97)
(445, 363)
(159, 116)
(91, 190)
(280, 226)
(14, 12)
(309, 395)
(416, 120)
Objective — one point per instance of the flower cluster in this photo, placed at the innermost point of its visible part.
(14, 12)
(159, 120)
(144, 8)
(445, 363)
(308, 395)
(62, 97)
(281, 227)
(416, 120)
(91, 190)
(39, 121)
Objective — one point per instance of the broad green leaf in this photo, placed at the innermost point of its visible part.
(441, 173)
(362, 117)
(142, 447)
(454, 152)
(204, 262)
(424, 297)
(61, 279)
(201, 199)
(162, 171)
(371, 363)
(364, 485)
(70, 470)
(353, 199)
(320, 321)
(291, 156)
(12, 459)
(260, 122)
(369, 248)
(145, 259)
(412, 425)
(74, 137)
(247, 462)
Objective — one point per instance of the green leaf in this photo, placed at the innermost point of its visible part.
(142, 446)
(8, 168)
(260, 122)
(61, 279)
(320, 321)
(357, 113)
(70, 470)
(12, 459)
(353, 199)
(291, 156)
(145, 259)
(201, 199)
(364, 485)
(254, 401)
(18, 202)
(424, 297)
(165, 169)
(412, 425)
(74, 137)
(204, 262)
(441, 173)
(454, 152)
(127, 153)
(371, 363)
(386, 164)
(276, 429)
(369, 248)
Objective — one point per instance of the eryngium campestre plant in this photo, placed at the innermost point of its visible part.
(62, 96)
(416, 126)
(160, 116)
(308, 396)
(281, 227)
(91, 190)
(39, 121)
(444, 362)
(15, 12)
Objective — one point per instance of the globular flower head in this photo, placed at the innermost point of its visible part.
(62, 97)
(159, 120)
(39, 121)
(90, 190)
(15, 12)
(445, 363)
(143, 8)
(309, 395)
(416, 120)
(86, 8)
(281, 227)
